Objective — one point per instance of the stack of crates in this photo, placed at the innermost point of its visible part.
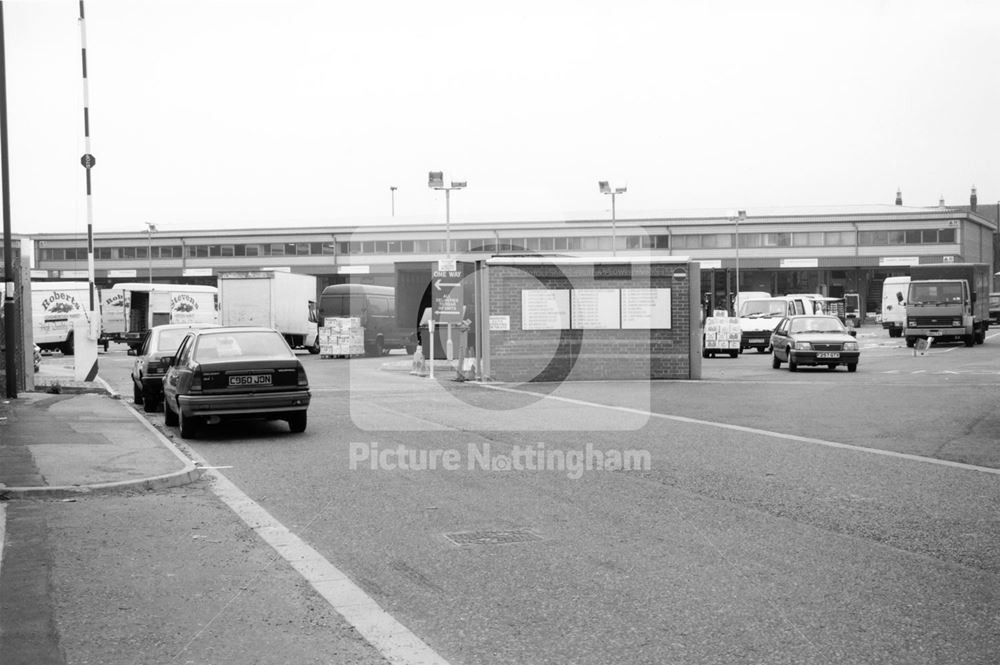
(722, 335)
(341, 336)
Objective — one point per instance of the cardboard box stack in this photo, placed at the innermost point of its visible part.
(341, 337)
(722, 332)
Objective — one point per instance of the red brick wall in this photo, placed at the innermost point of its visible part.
(588, 354)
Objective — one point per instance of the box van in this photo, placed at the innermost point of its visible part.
(894, 291)
(55, 306)
(376, 307)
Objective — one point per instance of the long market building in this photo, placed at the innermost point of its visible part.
(828, 250)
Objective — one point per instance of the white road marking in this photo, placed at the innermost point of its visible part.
(754, 430)
(391, 638)
(3, 531)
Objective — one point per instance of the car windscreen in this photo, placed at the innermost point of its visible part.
(238, 345)
(936, 294)
(169, 340)
(763, 308)
(817, 324)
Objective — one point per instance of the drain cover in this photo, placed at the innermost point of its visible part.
(492, 537)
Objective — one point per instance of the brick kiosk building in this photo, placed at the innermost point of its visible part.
(566, 318)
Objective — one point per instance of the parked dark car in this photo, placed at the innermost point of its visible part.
(814, 340)
(228, 373)
(147, 371)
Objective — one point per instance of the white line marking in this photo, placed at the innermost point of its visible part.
(754, 430)
(387, 635)
(3, 531)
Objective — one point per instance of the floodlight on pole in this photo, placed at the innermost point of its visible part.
(435, 180)
(606, 188)
(740, 216)
(150, 230)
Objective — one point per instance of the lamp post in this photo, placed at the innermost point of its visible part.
(741, 216)
(150, 229)
(435, 180)
(606, 189)
(392, 194)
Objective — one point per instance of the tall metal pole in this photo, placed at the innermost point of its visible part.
(87, 160)
(392, 194)
(447, 223)
(150, 227)
(10, 330)
(614, 242)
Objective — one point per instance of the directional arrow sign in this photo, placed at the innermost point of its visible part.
(448, 303)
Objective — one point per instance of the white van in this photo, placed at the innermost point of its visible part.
(760, 316)
(894, 291)
(55, 306)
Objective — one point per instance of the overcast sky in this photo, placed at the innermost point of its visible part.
(226, 113)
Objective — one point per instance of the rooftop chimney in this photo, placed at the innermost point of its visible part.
(899, 197)
(972, 199)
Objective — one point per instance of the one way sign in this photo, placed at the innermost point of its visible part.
(448, 297)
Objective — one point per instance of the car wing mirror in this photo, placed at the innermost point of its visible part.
(132, 352)
(852, 332)
(166, 361)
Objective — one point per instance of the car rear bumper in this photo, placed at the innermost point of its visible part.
(813, 358)
(244, 403)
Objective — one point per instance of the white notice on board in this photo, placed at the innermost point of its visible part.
(596, 309)
(645, 308)
(544, 309)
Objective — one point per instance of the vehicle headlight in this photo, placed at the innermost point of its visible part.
(802, 346)
(912, 323)
(850, 346)
(956, 322)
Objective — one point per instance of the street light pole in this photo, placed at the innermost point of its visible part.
(740, 216)
(435, 180)
(606, 189)
(150, 228)
(392, 194)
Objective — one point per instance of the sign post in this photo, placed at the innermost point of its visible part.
(448, 299)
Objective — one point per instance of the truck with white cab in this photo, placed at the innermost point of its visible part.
(285, 301)
(948, 301)
(55, 306)
(129, 309)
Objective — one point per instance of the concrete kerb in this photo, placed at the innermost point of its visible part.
(191, 471)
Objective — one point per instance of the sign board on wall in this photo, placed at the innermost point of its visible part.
(544, 309)
(595, 309)
(898, 260)
(499, 322)
(799, 263)
(645, 308)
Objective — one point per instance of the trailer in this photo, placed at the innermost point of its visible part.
(276, 299)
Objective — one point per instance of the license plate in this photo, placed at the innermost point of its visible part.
(756, 341)
(828, 354)
(250, 380)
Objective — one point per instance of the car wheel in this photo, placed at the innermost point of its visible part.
(775, 363)
(149, 401)
(188, 425)
(792, 365)
(969, 340)
(761, 349)
(297, 422)
(169, 417)
(911, 341)
(314, 349)
(136, 394)
(704, 353)
(980, 336)
(852, 367)
(733, 354)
